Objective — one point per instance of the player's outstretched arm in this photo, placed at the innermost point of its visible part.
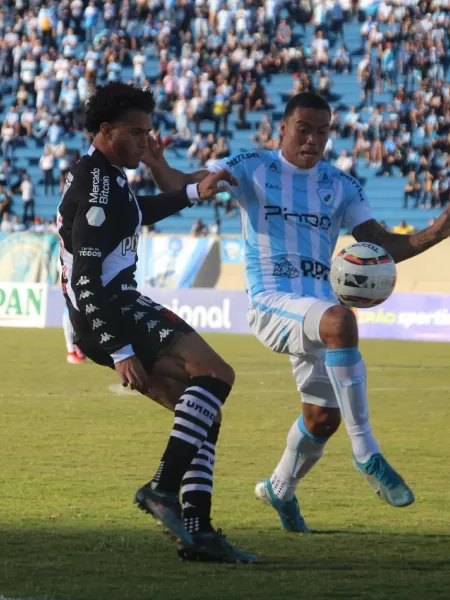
(156, 208)
(402, 247)
(165, 177)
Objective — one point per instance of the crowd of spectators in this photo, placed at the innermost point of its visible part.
(219, 56)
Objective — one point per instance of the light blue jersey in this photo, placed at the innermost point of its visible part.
(291, 219)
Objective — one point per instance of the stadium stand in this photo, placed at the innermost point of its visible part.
(217, 68)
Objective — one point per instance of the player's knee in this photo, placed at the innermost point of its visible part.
(323, 422)
(338, 327)
(218, 418)
(215, 368)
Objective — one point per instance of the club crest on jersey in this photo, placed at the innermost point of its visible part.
(326, 195)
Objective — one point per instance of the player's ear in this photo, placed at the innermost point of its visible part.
(282, 128)
(106, 130)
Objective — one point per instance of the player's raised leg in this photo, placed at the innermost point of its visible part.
(345, 366)
(305, 446)
(320, 419)
(309, 433)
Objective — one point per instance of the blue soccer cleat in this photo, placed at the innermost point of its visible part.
(166, 509)
(288, 510)
(385, 482)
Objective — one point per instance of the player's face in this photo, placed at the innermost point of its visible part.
(129, 138)
(305, 135)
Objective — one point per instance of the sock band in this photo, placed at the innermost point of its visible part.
(316, 439)
(195, 415)
(197, 485)
(342, 357)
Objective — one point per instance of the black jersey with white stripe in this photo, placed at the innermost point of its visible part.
(98, 222)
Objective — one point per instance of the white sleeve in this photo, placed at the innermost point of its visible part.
(358, 209)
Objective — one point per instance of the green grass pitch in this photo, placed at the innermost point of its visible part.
(73, 453)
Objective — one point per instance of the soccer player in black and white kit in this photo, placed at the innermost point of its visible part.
(152, 349)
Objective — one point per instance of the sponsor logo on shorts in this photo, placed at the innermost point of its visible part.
(128, 288)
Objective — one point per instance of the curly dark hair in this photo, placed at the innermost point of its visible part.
(111, 101)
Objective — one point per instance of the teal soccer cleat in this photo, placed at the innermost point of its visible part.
(385, 482)
(288, 510)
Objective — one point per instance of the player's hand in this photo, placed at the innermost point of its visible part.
(442, 224)
(155, 150)
(213, 184)
(132, 373)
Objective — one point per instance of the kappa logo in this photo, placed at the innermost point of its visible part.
(164, 333)
(138, 316)
(83, 280)
(90, 308)
(85, 294)
(327, 196)
(125, 309)
(96, 323)
(151, 325)
(105, 337)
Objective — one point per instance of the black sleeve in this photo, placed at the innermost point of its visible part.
(93, 229)
(156, 208)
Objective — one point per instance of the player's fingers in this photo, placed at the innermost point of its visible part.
(223, 175)
(159, 138)
(219, 190)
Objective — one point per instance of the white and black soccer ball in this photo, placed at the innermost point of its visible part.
(363, 275)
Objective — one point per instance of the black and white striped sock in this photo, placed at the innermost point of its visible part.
(194, 417)
(197, 485)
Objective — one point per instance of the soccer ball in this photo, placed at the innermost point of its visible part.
(363, 275)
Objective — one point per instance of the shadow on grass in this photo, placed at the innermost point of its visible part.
(117, 564)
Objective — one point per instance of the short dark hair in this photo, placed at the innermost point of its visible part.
(111, 101)
(305, 100)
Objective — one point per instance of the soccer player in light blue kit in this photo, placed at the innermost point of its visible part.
(293, 206)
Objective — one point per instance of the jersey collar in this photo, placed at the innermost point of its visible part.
(292, 167)
(93, 149)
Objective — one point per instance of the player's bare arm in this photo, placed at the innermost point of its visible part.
(166, 178)
(402, 247)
